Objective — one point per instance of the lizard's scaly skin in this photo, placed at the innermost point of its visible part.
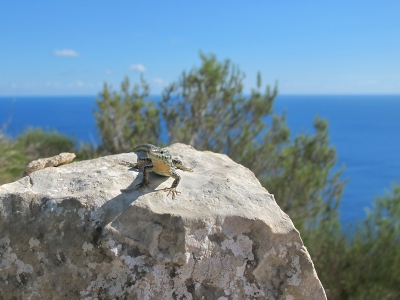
(160, 161)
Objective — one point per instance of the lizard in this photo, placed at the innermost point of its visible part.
(160, 161)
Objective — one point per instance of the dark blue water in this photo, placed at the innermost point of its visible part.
(72, 116)
(364, 129)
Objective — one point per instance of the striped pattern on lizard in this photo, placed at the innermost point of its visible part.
(160, 161)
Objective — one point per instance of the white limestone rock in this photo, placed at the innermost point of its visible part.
(54, 161)
(69, 233)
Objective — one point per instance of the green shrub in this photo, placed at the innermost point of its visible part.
(366, 264)
(207, 109)
(12, 160)
(35, 143)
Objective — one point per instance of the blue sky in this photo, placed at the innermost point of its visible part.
(308, 47)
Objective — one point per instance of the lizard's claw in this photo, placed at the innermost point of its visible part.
(172, 191)
(138, 186)
(130, 165)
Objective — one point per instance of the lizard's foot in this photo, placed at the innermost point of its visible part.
(172, 191)
(138, 186)
(130, 165)
(142, 185)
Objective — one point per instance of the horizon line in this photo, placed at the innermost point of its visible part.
(245, 94)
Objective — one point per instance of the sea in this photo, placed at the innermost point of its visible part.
(364, 129)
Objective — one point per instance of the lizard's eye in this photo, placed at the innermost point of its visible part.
(162, 152)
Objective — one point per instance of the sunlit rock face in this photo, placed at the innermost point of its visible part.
(69, 232)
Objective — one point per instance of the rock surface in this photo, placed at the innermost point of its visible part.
(69, 233)
(54, 161)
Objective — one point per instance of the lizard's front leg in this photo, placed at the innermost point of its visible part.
(145, 181)
(179, 165)
(172, 189)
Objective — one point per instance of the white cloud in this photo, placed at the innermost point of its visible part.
(159, 81)
(109, 72)
(66, 52)
(138, 67)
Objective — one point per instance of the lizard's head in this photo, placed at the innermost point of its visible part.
(161, 154)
